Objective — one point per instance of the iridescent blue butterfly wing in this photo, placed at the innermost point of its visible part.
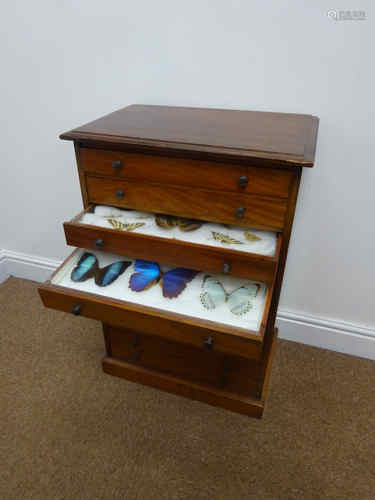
(86, 267)
(175, 281)
(145, 275)
(110, 273)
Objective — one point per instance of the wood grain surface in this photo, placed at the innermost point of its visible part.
(285, 137)
(177, 385)
(186, 172)
(261, 212)
(200, 365)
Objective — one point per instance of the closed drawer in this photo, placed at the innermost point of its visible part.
(173, 251)
(193, 173)
(183, 328)
(218, 206)
(199, 365)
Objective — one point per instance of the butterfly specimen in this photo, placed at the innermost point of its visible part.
(133, 225)
(172, 282)
(169, 222)
(251, 236)
(123, 226)
(117, 224)
(189, 224)
(239, 301)
(88, 267)
(224, 238)
(166, 221)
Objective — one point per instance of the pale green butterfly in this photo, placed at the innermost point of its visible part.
(239, 301)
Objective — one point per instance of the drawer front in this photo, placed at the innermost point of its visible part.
(160, 354)
(198, 365)
(217, 206)
(193, 173)
(132, 317)
(173, 252)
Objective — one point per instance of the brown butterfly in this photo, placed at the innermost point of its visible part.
(166, 221)
(189, 224)
(170, 221)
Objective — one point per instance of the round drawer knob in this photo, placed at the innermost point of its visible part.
(240, 212)
(77, 310)
(99, 243)
(226, 268)
(243, 181)
(120, 193)
(208, 343)
(117, 164)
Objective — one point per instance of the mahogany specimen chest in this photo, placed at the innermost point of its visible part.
(236, 171)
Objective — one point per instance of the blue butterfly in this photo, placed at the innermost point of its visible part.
(148, 273)
(88, 267)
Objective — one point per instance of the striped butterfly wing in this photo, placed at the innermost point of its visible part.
(131, 226)
(116, 224)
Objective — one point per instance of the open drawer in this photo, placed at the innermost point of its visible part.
(182, 319)
(212, 247)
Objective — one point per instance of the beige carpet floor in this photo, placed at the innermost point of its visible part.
(68, 431)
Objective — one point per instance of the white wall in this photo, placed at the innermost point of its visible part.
(66, 62)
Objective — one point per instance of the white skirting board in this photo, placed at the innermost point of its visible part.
(311, 330)
(30, 267)
(337, 336)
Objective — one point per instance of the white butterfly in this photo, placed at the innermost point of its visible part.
(239, 301)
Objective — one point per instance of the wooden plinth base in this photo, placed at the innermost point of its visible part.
(229, 382)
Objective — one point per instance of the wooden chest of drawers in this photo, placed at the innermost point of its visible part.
(236, 173)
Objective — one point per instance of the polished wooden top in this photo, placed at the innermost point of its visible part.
(282, 137)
